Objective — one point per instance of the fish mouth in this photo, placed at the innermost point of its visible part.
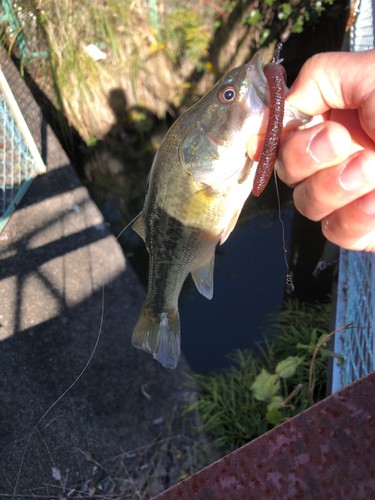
(258, 78)
(293, 117)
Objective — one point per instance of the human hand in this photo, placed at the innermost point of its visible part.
(331, 162)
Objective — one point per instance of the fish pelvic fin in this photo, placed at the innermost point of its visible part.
(231, 225)
(204, 278)
(159, 335)
(138, 226)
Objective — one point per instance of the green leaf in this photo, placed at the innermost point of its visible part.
(272, 386)
(276, 402)
(265, 386)
(303, 346)
(91, 141)
(265, 35)
(297, 26)
(326, 352)
(287, 367)
(274, 416)
(253, 18)
(321, 339)
(313, 339)
(287, 9)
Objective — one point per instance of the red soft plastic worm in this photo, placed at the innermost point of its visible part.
(275, 74)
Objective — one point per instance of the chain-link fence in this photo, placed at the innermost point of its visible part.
(20, 161)
(361, 34)
(356, 299)
(355, 306)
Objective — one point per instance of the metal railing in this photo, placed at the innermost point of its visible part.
(355, 306)
(20, 160)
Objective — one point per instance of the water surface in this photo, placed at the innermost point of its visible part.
(249, 284)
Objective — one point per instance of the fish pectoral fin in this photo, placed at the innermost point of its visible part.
(231, 225)
(204, 278)
(139, 227)
(159, 335)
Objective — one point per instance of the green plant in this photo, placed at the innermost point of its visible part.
(266, 386)
(293, 15)
(190, 31)
(287, 376)
(229, 413)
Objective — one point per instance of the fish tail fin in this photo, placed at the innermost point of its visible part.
(159, 335)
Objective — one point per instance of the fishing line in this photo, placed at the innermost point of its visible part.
(83, 369)
(288, 279)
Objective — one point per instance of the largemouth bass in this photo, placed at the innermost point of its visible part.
(199, 181)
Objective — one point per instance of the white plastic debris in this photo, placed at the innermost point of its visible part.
(56, 474)
(94, 52)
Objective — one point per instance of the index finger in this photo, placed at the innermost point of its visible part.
(337, 80)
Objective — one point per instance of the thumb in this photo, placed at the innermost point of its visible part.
(337, 80)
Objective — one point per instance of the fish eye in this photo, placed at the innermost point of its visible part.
(227, 95)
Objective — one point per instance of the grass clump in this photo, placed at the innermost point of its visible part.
(260, 391)
(140, 51)
(229, 411)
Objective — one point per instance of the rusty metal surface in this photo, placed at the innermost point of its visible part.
(326, 452)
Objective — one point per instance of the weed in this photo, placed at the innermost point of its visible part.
(137, 58)
(260, 391)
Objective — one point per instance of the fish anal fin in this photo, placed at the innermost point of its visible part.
(204, 278)
(139, 228)
(159, 335)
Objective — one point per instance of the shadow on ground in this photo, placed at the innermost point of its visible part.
(53, 255)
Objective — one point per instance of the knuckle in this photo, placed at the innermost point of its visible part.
(308, 200)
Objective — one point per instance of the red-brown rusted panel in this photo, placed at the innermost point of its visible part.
(326, 452)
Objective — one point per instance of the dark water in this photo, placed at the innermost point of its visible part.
(249, 284)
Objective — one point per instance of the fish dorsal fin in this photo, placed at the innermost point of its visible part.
(139, 228)
(204, 278)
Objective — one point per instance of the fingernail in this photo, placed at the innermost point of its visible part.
(352, 175)
(320, 147)
(367, 203)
